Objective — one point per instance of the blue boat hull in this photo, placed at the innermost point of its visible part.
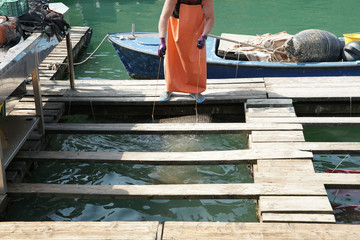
(140, 59)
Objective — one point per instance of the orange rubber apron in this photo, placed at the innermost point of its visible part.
(185, 70)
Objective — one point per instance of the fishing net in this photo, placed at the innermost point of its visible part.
(313, 46)
(264, 48)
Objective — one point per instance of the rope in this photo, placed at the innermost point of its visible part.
(75, 64)
(53, 66)
(237, 65)
(157, 81)
(350, 106)
(197, 90)
(340, 162)
(337, 192)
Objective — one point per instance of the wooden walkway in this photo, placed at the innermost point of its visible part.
(292, 198)
(175, 230)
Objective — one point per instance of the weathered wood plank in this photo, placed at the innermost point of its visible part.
(315, 147)
(291, 165)
(330, 180)
(299, 218)
(79, 230)
(301, 204)
(262, 103)
(243, 92)
(46, 105)
(165, 158)
(149, 88)
(58, 55)
(23, 112)
(312, 121)
(311, 80)
(149, 100)
(149, 82)
(277, 136)
(258, 231)
(178, 128)
(271, 112)
(318, 93)
(166, 191)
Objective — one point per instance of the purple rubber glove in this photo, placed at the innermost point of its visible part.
(201, 41)
(162, 47)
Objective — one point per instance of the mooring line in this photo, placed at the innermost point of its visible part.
(340, 162)
(92, 110)
(157, 81)
(197, 90)
(237, 64)
(334, 170)
(350, 106)
(54, 65)
(69, 103)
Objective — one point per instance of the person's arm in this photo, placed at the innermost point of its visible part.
(167, 10)
(208, 9)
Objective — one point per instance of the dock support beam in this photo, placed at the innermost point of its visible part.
(3, 189)
(70, 61)
(37, 96)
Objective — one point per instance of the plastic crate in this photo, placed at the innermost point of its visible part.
(13, 8)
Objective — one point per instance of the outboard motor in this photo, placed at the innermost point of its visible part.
(351, 51)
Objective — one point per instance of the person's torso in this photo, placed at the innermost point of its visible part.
(188, 2)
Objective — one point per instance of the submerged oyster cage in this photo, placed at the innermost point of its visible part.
(13, 8)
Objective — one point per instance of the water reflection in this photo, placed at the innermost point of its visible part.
(131, 210)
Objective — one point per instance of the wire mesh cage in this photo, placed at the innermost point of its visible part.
(13, 8)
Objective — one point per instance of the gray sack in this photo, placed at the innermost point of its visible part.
(313, 46)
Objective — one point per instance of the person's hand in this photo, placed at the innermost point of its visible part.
(162, 47)
(201, 41)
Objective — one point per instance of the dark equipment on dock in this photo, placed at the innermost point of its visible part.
(40, 18)
(10, 31)
(351, 51)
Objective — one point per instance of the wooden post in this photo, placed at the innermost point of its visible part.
(70, 61)
(3, 188)
(37, 95)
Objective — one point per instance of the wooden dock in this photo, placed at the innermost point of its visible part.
(292, 198)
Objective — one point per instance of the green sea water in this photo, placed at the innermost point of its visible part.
(232, 16)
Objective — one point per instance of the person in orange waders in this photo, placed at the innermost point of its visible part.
(186, 24)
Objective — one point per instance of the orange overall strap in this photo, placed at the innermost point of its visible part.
(183, 71)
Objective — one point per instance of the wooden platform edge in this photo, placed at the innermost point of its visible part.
(166, 191)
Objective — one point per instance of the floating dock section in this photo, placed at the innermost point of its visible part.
(292, 198)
